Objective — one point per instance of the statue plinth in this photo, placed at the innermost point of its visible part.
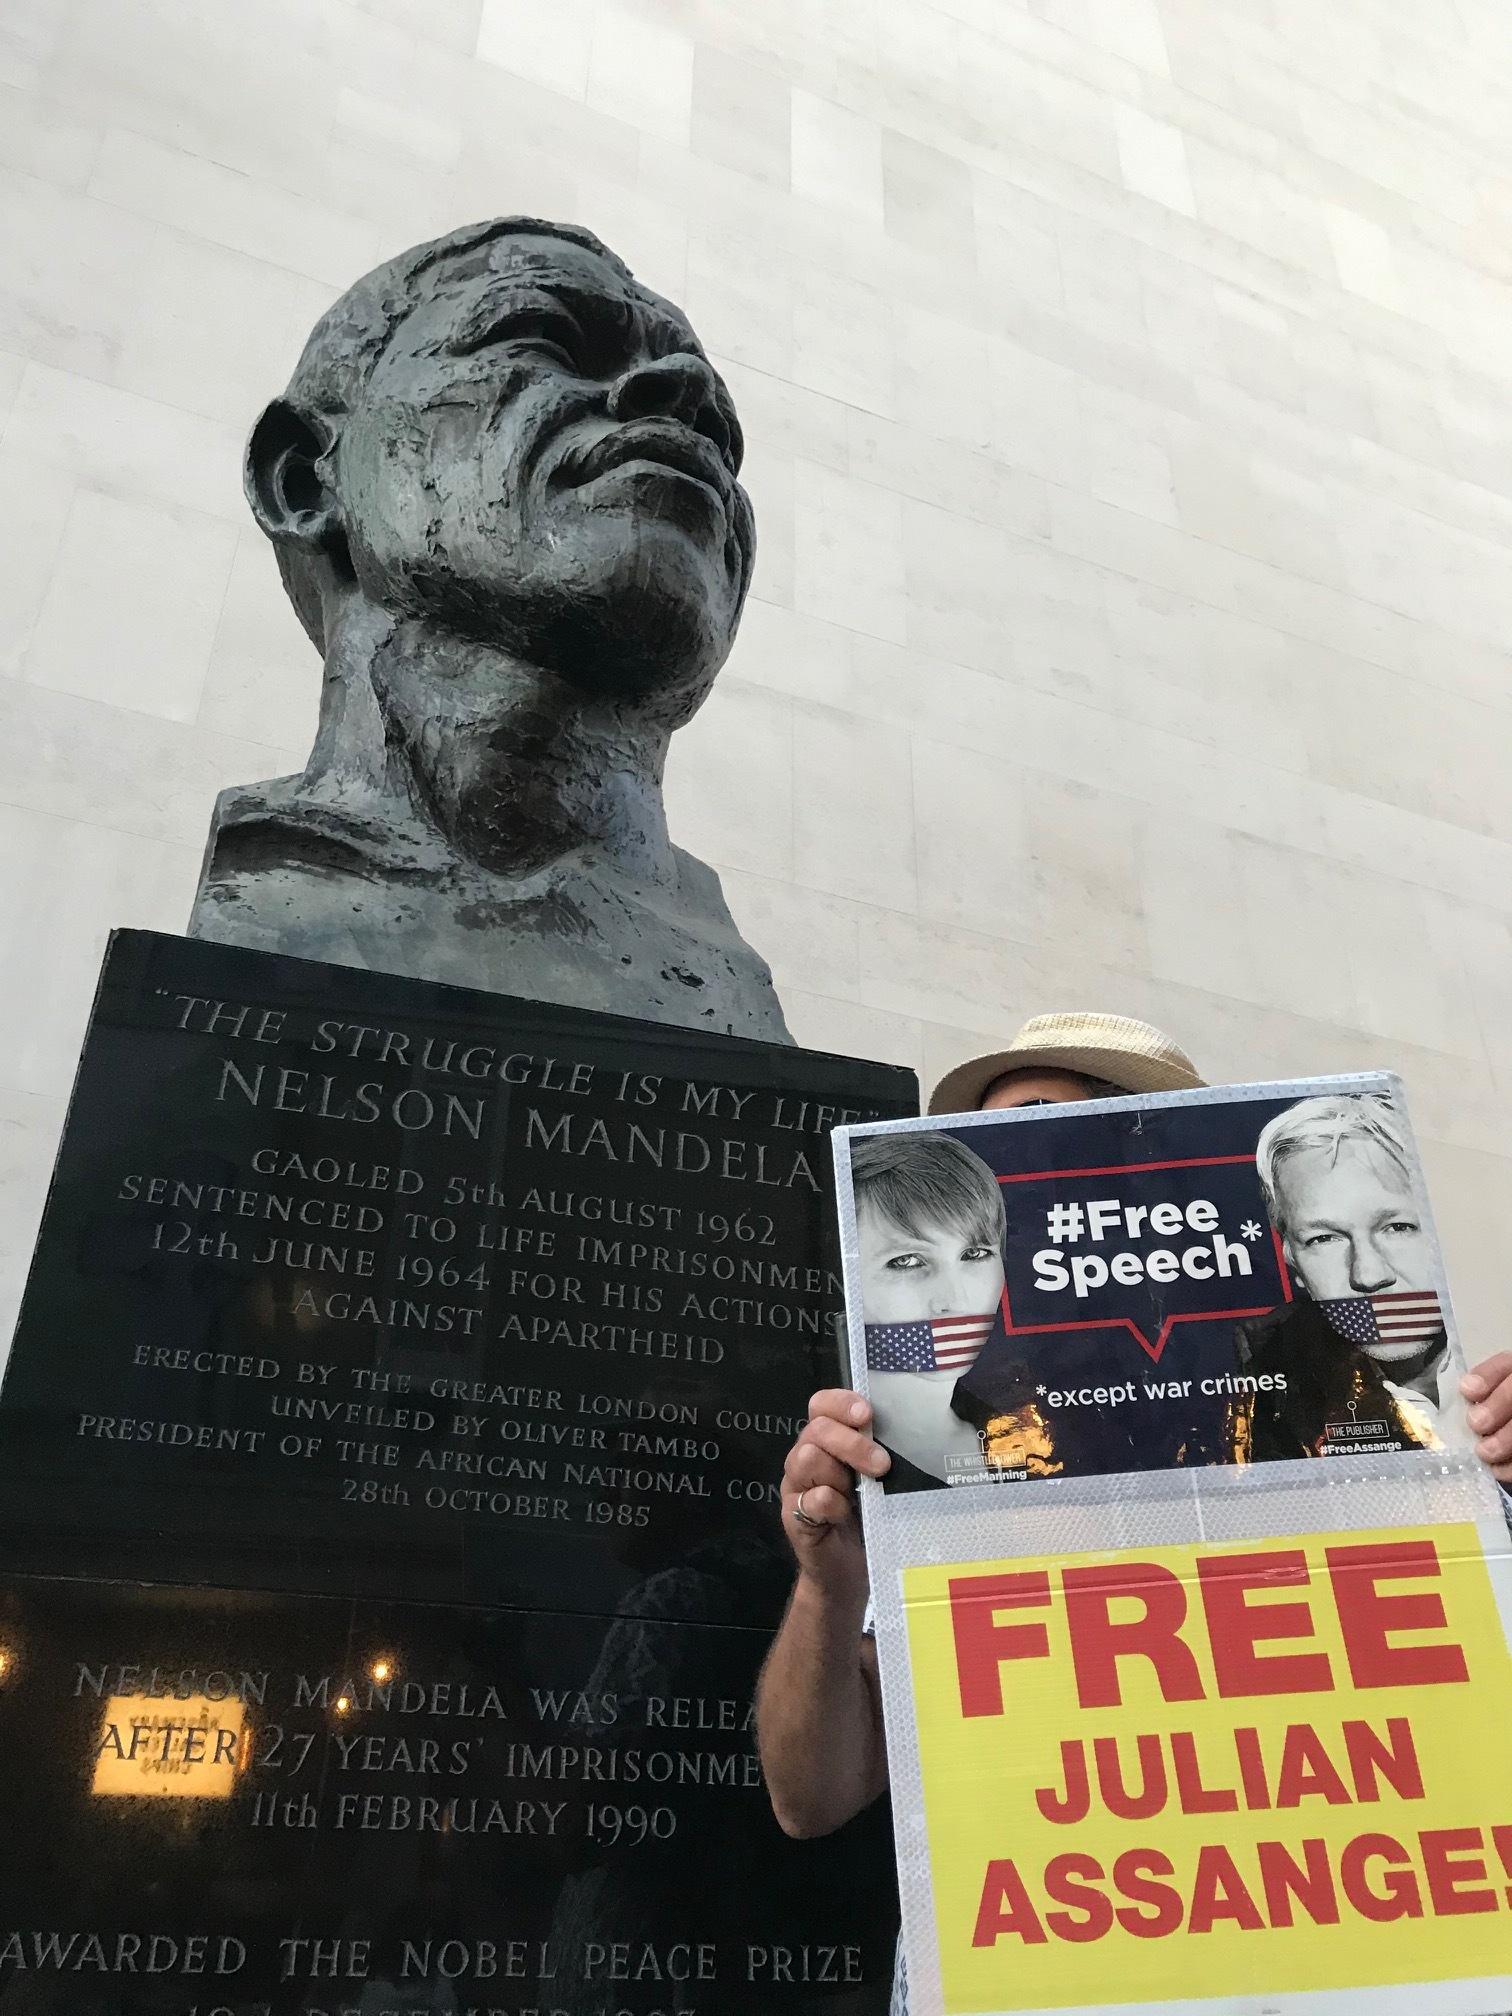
(389, 1522)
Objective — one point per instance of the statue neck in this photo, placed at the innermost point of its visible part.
(515, 768)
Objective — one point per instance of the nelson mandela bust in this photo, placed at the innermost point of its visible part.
(502, 491)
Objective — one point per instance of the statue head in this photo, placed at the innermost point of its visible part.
(504, 435)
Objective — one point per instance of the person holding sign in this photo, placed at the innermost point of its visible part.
(1335, 1184)
(819, 1705)
(1489, 1390)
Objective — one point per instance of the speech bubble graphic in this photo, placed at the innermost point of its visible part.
(1140, 1247)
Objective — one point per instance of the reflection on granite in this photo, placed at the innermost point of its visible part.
(211, 1798)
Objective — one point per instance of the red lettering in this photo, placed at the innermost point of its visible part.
(1218, 1892)
(1063, 1808)
(1398, 1896)
(1396, 1762)
(1152, 1778)
(1196, 1797)
(1453, 1859)
(1069, 1880)
(1097, 1643)
(1252, 1769)
(1502, 1836)
(1312, 1886)
(1005, 1907)
(1132, 1874)
(1307, 1770)
(1235, 1627)
(981, 1643)
(1367, 1618)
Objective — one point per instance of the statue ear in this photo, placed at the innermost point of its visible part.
(285, 483)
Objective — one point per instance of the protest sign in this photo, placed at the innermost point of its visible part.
(1144, 1771)
(1178, 1713)
(1136, 1284)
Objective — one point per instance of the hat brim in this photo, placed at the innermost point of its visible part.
(960, 1090)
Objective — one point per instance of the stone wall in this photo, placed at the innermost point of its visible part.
(1126, 390)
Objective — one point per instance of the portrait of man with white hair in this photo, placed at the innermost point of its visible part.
(1362, 1348)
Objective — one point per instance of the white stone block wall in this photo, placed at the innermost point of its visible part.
(1126, 384)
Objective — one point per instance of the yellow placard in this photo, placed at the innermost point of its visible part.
(1214, 1770)
(175, 1749)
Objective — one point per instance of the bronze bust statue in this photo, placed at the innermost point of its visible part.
(502, 491)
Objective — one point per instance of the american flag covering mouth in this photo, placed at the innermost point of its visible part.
(1406, 1317)
(943, 1344)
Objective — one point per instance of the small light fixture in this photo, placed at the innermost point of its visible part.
(382, 1670)
(343, 1703)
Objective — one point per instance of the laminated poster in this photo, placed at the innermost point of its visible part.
(1192, 1602)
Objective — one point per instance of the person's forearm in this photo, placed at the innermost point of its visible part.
(819, 1715)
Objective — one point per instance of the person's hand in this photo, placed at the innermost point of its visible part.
(836, 1442)
(1489, 1390)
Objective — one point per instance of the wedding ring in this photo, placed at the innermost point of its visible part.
(806, 1518)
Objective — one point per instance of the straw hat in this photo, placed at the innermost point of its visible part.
(1128, 1054)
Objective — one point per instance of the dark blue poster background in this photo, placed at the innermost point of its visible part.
(1134, 1243)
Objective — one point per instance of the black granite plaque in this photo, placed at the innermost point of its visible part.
(235, 1802)
(355, 1284)
(351, 1291)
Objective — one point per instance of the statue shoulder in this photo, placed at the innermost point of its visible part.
(703, 898)
(334, 879)
(282, 824)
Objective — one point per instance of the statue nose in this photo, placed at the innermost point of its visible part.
(678, 387)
